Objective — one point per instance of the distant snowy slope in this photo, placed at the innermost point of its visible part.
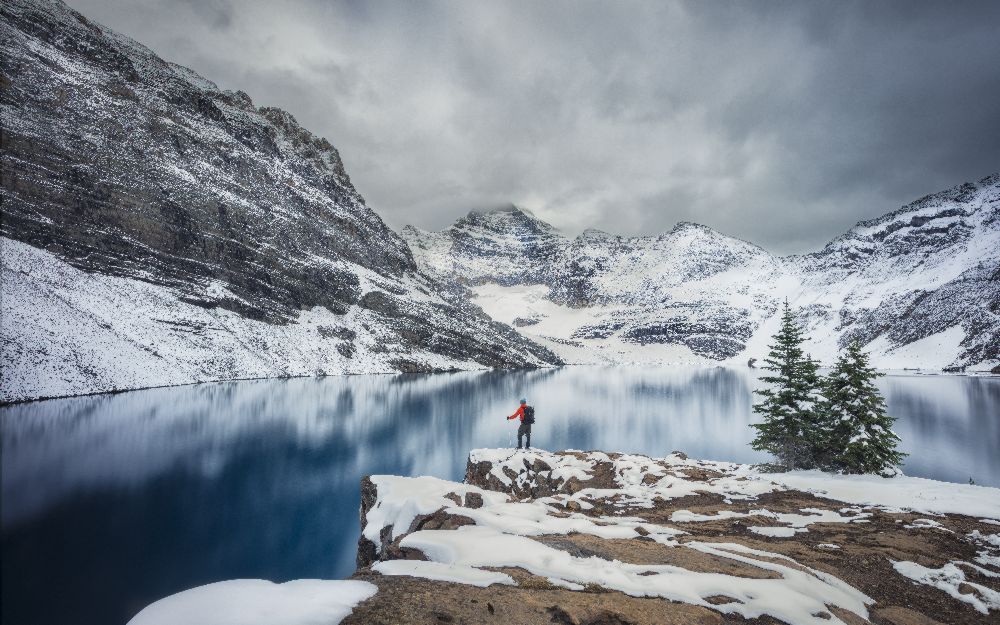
(930, 269)
(919, 286)
(157, 229)
(682, 296)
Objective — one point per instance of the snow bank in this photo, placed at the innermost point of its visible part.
(936, 351)
(257, 601)
(900, 492)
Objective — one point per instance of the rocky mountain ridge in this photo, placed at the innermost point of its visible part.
(920, 286)
(159, 230)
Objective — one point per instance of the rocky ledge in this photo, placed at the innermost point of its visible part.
(605, 538)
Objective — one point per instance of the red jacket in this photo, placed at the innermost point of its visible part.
(519, 413)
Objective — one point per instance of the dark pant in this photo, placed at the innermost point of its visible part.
(524, 430)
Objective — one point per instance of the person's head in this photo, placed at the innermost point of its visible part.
(524, 401)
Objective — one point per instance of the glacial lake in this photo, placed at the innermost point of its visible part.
(111, 502)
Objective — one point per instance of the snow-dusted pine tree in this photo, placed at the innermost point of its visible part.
(861, 439)
(791, 430)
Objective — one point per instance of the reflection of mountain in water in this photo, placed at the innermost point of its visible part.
(949, 426)
(426, 423)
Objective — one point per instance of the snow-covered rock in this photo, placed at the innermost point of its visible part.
(159, 230)
(695, 536)
(919, 286)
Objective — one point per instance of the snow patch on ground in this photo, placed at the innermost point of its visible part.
(686, 516)
(798, 595)
(950, 578)
(795, 523)
(920, 524)
(402, 499)
(900, 492)
(776, 532)
(437, 571)
(257, 601)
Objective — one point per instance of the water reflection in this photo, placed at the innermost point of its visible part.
(118, 500)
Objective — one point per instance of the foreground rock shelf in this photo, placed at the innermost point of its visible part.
(604, 538)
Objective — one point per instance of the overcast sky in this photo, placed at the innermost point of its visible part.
(782, 123)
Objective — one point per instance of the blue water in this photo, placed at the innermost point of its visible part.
(112, 502)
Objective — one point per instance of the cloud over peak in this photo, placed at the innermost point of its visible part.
(782, 123)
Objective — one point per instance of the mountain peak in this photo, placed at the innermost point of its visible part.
(682, 226)
(510, 210)
(505, 219)
(596, 235)
(509, 207)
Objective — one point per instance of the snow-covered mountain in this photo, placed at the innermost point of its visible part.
(919, 286)
(158, 230)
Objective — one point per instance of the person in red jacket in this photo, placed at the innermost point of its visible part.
(527, 415)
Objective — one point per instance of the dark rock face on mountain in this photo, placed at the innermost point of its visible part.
(919, 286)
(121, 162)
(124, 165)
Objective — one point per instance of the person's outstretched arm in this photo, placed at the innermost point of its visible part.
(518, 413)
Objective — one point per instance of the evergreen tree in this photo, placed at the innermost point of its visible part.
(860, 438)
(791, 429)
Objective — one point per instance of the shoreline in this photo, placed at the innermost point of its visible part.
(605, 538)
(885, 372)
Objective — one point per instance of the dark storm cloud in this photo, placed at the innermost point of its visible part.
(779, 122)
